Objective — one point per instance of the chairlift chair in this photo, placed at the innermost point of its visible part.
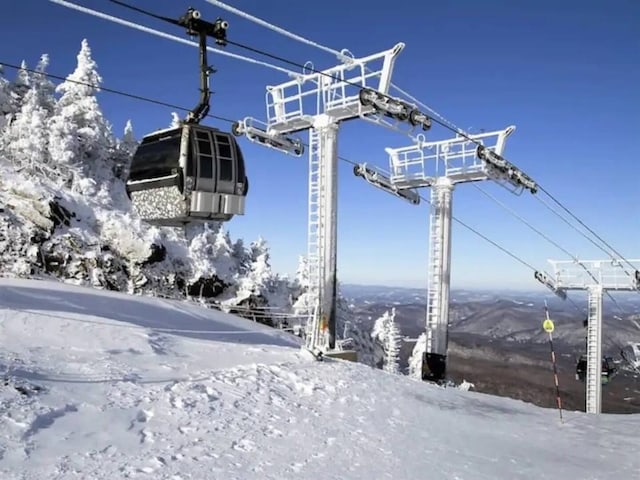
(609, 369)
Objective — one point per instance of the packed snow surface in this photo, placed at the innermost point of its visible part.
(138, 387)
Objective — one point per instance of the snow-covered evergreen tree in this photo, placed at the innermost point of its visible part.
(175, 120)
(19, 87)
(386, 333)
(26, 138)
(203, 247)
(5, 99)
(25, 142)
(125, 148)
(241, 258)
(300, 288)
(259, 290)
(45, 87)
(394, 344)
(80, 139)
(257, 282)
(226, 265)
(415, 361)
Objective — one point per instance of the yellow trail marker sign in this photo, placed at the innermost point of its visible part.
(548, 326)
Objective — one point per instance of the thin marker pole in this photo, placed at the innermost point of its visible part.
(548, 327)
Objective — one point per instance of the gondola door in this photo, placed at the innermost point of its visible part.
(226, 174)
(203, 202)
(204, 164)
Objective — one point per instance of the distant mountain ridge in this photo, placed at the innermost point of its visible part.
(510, 316)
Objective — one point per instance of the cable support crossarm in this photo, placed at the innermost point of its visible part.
(468, 227)
(310, 69)
(167, 36)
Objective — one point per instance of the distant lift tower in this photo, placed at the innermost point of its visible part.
(319, 101)
(596, 277)
(441, 165)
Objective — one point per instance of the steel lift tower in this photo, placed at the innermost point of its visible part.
(318, 101)
(596, 277)
(442, 165)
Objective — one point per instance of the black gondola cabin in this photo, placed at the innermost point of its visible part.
(187, 174)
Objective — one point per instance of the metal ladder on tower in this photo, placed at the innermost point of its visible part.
(314, 225)
(434, 271)
(594, 357)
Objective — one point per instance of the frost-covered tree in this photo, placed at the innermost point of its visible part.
(257, 282)
(242, 258)
(415, 361)
(258, 286)
(19, 87)
(26, 138)
(5, 99)
(300, 288)
(387, 335)
(175, 120)
(80, 139)
(45, 87)
(125, 148)
(226, 265)
(203, 246)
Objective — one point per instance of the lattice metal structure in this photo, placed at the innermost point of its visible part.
(596, 277)
(610, 274)
(442, 165)
(319, 101)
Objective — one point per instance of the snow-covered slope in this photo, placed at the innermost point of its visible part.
(136, 387)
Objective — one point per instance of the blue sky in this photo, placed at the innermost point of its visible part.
(565, 73)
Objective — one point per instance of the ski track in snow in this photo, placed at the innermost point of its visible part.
(138, 403)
